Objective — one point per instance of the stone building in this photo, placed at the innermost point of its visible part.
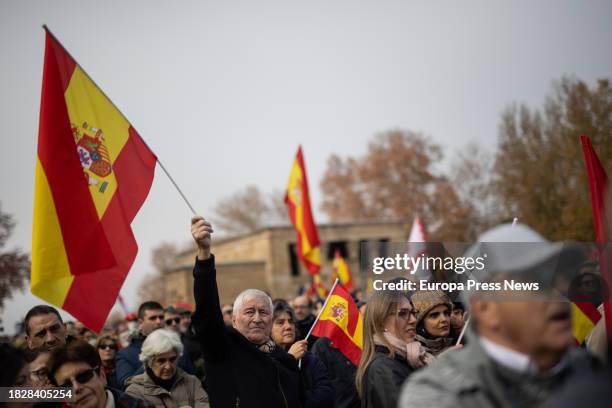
(266, 259)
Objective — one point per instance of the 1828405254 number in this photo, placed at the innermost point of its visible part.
(30, 394)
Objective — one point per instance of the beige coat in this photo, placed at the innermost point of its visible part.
(186, 391)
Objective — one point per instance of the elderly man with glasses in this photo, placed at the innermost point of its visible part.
(78, 366)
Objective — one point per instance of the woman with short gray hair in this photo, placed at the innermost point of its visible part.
(163, 384)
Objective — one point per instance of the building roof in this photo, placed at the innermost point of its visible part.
(225, 240)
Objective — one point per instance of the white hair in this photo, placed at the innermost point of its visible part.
(250, 294)
(159, 342)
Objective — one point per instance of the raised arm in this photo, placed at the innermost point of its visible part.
(207, 319)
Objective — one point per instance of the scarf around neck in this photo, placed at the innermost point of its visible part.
(412, 352)
(435, 346)
(165, 384)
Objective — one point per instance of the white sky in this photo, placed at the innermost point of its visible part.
(224, 92)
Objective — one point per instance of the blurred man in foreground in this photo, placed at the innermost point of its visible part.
(520, 348)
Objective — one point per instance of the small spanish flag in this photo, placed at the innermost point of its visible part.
(318, 286)
(341, 271)
(297, 200)
(584, 318)
(93, 173)
(341, 322)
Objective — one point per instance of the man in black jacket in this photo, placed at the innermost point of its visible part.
(341, 371)
(244, 367)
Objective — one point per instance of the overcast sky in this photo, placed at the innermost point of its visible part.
(224, 92)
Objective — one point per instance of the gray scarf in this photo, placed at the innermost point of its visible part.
(435, 346)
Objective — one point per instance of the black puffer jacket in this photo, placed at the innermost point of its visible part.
(383, 379)
(238, 374)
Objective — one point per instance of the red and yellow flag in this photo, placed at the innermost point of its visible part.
(93, 173)
(297, 200)
(598, 183)
(341, 322)
(341, 271)
(584, 318)
(316, 287)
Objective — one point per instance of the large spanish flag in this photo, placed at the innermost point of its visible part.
(93, 173)
(341, 322)
(297, 200)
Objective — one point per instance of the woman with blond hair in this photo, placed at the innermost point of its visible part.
(390, 353)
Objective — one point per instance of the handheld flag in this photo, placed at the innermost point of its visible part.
(316, 287)
(341, 271)
(340, 321)
(93, 173)
(297, 200)
(597, 185)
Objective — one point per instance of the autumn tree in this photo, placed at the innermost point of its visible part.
(14, 264)
(248, 210)
(471, 175)
(539, 174)
(396, 179)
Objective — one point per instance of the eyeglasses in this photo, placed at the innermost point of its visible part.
(82, 378)
(406, 313)
(176, 320)
(107, 347)
(41, 373)
(228, 311)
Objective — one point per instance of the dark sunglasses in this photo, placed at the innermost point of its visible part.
(107, 347)
(176, 320)
(82, 378)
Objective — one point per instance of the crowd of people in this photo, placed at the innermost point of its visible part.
(254, 353)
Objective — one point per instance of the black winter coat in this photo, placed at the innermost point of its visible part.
(319, 392)
(341, 371)
(383, 379)
(238, 374)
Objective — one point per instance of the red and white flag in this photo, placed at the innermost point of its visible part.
(417, 247)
